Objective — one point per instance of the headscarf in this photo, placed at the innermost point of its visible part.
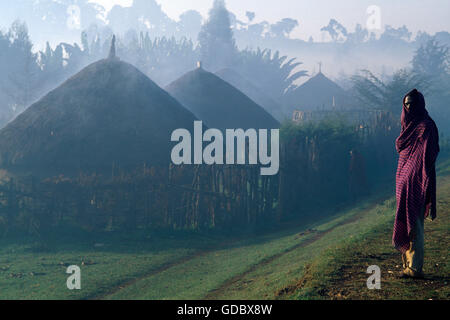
(418, 146)
(410, 118)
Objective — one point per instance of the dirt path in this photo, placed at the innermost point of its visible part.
(216, 293)
(349, 282)
(222, 245)
(149, 274)
(317, 235)
(344, 278)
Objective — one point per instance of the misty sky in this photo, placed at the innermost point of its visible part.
(431, 16)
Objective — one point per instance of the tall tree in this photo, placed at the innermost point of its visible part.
(271, 72)
(217, 45)
(22, 71)
(377, 94)
(250, 16)
(391, 34)
(336, 30)
(190, 24)
(431, 59)
(283, 28)
(85, 42)
(359, 36)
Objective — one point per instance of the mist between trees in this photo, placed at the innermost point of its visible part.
(375, 72)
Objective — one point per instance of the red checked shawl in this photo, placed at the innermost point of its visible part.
(418, 148)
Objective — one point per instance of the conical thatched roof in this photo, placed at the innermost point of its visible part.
(218, 103)
(109, 113)
(252, 91)
(319, 92)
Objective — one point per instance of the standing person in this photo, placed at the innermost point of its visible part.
(418, 148)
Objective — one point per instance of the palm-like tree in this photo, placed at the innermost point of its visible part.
(377, 94)
(272, 73)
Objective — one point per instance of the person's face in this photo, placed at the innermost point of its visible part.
(408, 103)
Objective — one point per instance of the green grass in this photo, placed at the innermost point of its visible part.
(322, 260)
(191, 280)
(339, 272)
(33, 271)
(208, 275)
(273, 280)
(159, 267)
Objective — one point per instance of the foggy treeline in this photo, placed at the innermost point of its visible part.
(165, 49)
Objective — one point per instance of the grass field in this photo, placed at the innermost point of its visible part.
(322, 260)
(339, 272)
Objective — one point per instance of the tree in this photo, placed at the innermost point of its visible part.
(336, 30)
(250, 16)
(85, 41)
(272, 73)
(284, 27)
(5, 110)
(374, 93)
(359, 36)
(393, 34)
(162, 59)
(431, 59)
(22, 69)
(217, 45)
(143, 15)
(190, 23)
(422, 37)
